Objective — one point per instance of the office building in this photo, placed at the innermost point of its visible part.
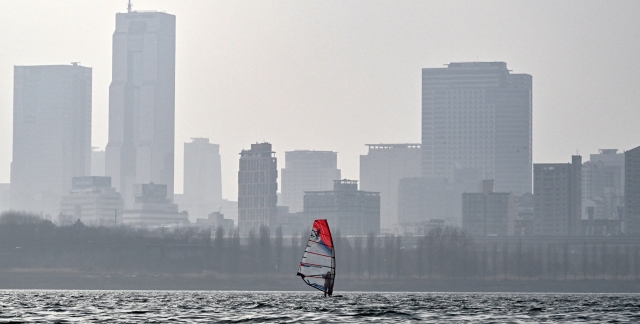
(603, 174)
(632, 191)
(488, 213)
(603, 185)
(51, 134)
(142, 102)
(381, 170)
(202, 178)
(347, 209)
(229, 208)
(558, 198)
(97, 162)
(92, 201)
(525, 216)
(478, 116)
(257, 187)
(216, 220)
(292, 224)
(152, 208)
(5, 197)
(307, 171)
(423, 200)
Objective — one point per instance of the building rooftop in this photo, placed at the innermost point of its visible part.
(393, 146)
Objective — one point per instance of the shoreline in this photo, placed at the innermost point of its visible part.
(85, 280)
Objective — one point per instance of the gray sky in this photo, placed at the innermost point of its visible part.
(334, 75)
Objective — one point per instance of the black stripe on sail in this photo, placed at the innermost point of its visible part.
(314, 265)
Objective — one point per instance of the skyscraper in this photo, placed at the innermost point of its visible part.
(632, 190)
(97, 162)
(381, 170)
(142, 102)
(257, 188)
(558, 198)
(603, 184)
(307, 171)
(477, 116)
(5, 196)
(202, 178)
(51, 134)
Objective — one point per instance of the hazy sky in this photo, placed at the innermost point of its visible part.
(334, 75)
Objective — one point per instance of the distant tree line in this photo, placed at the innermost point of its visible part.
(29, 242)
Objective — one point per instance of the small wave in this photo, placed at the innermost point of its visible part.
(249, 307)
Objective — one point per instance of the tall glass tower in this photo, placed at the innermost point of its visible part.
(476, 123)
(51, 134)
(142, 102)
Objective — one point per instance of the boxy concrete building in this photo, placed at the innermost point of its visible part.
(352, 211)
(558, 198)
(488, 213)
(381, 171)
(93, 201)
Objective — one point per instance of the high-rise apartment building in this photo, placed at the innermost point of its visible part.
(257, 188)
(202, 178)
(603, 185)
(307, 171)
(632, 191)
(603, 173)
(381, 170)
(558, 198)
(488, 213)
(142, 102)
(347, 209)
(51, 134)
(477, 116)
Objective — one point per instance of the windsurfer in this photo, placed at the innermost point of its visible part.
(327, 284)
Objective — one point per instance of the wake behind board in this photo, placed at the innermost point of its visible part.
(318, 265)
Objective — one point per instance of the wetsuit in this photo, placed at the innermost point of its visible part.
(327, 284)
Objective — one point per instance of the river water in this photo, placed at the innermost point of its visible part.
(51, 306)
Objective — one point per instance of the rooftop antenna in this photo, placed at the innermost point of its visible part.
(129, 7)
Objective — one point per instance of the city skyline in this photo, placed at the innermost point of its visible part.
(561, 92)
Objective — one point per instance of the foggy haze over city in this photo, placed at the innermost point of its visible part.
(335, 76)
(319, 161)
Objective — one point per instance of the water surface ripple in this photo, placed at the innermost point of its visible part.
(17, 306)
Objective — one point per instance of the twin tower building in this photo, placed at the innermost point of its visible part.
(52, 118)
